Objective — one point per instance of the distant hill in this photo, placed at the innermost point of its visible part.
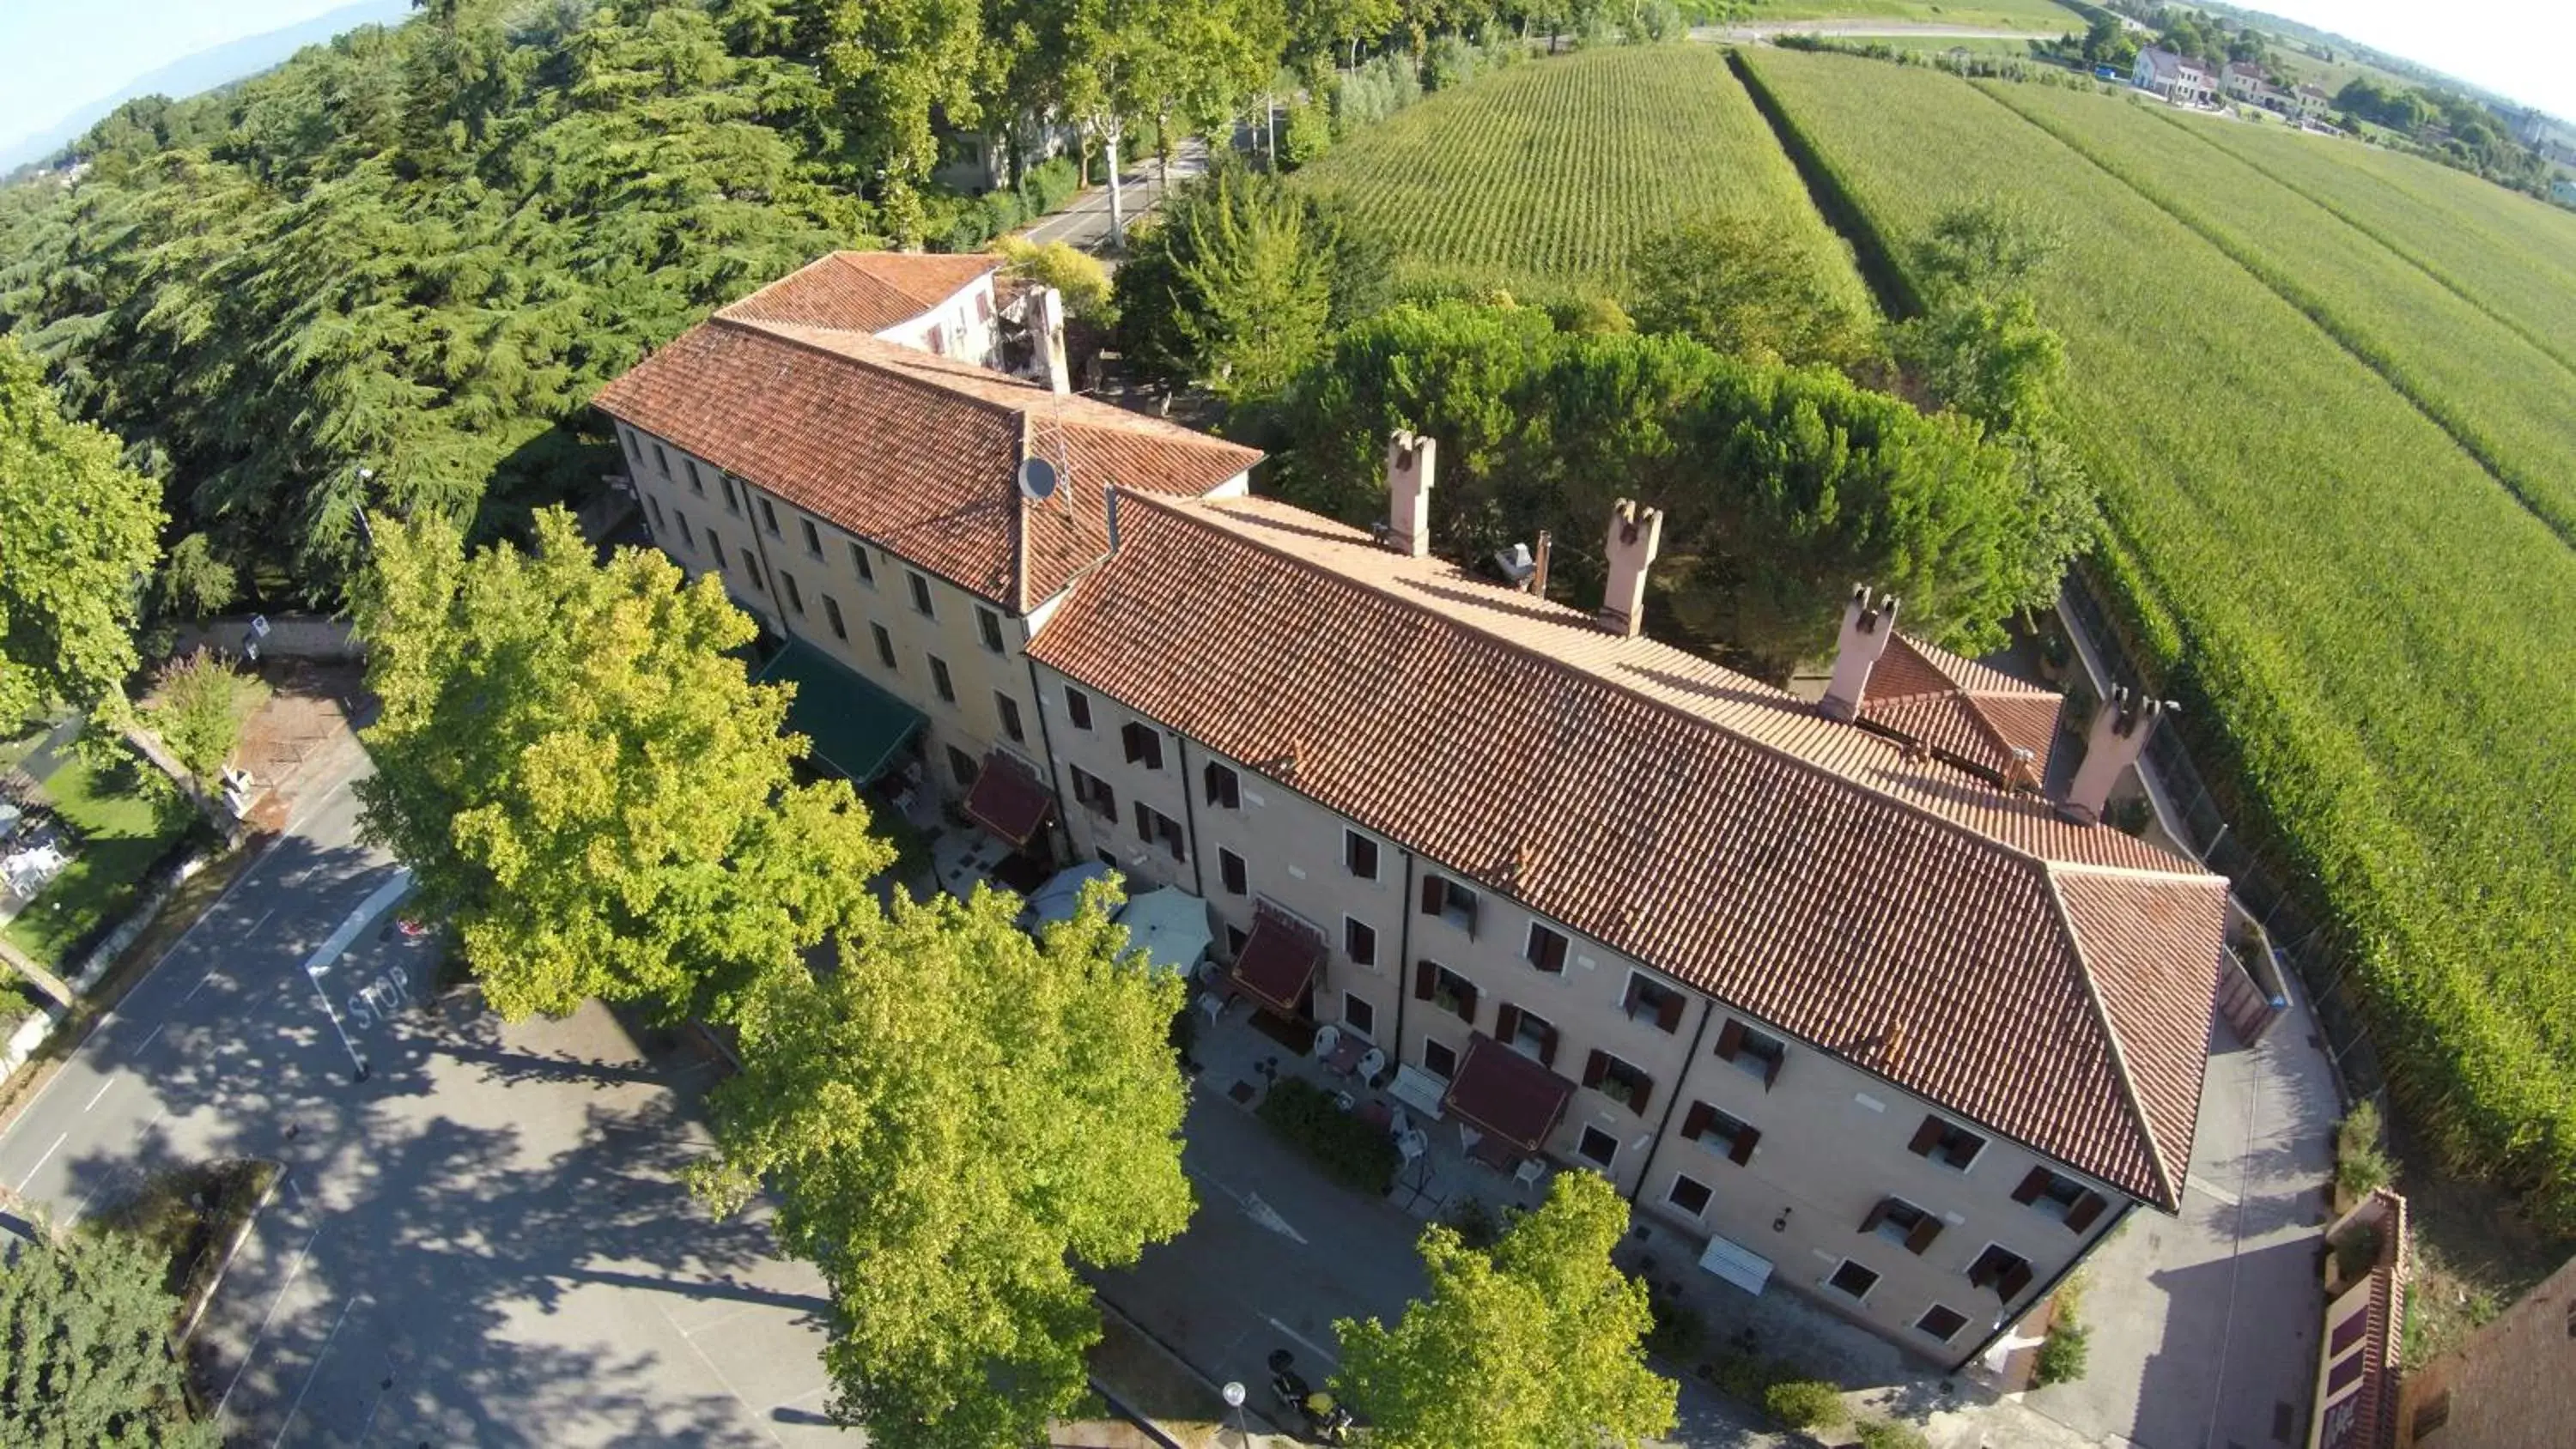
(204, 71)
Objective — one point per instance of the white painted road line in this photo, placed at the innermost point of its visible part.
(319, 962)
(101, 1092)
(316, 1372)
(211, 973)
(252, 1352)
(147, 1041)
(41, 1161)
(262, 921)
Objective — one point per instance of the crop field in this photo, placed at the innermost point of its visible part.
(2510, 404)
(2040, 17)
(2377, 626)
(1543, 177)
(2510, 254)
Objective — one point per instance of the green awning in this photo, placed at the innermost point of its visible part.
(856, 727)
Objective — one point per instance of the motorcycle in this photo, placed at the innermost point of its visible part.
(1327, 1422)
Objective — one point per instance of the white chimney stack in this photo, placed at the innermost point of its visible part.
(1046, 326)
(1409, 463)
(1868, 623)
(2119, 734)
(1635, 536)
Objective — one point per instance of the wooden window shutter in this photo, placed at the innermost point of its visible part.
(1877, 1214)
(2086, 1209)
(1982, 1271)
(1467, 1003)
(1426, 979)
(1432, 894)
(1507, 1023)
(1547, 1048)
(1922, 1235)
(1645, 1093)
(1926, 1137)
(1730, 1038)
(1668, 1012)
(1696, 1121)
(2033, 1183)
(1595, 1067)
(2014, 1279)
(1743, 1150)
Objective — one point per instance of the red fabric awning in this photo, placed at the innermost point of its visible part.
(1506, 1094)
(1278, 962)
(1008, 799)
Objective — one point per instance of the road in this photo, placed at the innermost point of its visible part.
(1084, 221)
(484, 1241)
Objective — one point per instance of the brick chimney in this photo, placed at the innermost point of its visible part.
(1409, 463)
(2119, 734)
(1868, 623)
(1635, 535)
(1046, 329)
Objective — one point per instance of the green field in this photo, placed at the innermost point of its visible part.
(2376, 627)
(1543, 178)
(2040, 17)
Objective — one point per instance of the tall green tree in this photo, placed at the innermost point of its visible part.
(956, 1121)
(1536, 1342)
(896, 68)
(1749, 289)
(84, 1348)
(585, 782)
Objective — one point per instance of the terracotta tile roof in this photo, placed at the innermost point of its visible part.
(862, 291)
(916, 452)
(1810, 873)
(1959, 709)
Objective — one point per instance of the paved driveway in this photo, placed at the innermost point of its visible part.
(483, 1242)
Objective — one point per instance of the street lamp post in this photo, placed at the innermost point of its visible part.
(1234, 1400)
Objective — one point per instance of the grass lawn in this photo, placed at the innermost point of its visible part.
(2040, 17)
(123, 831)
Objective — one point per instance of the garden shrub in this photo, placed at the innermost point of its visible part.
(1806, 1404)
(1891, 1434)
(2062, 1354)
(1347, 1149)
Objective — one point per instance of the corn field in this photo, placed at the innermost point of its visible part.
(1542, 178)
(2371, 632)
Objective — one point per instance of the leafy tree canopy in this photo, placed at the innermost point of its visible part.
(84, 1361)
(1750, 290)
(1536, 1342)
(956, 1120)
(583, 779)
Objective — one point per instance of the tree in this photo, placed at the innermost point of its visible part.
(956, 1120)
(575, 765)
(84, 1348)
(79, 534)
(200, 711)
(1319, 28)
(1749, 289)
(195, 583)
(895, 67)
(1536, 1342)
(1079, 276)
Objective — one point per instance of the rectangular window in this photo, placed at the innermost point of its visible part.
(751, 566)
(832, 616)
(1445, 989)
(859, 564)
(1853, 1279)
(1754, 1053)
(1224, 787)
(2001, 1269)
(1009, 709)
(1077, 707)
(1528, 1033)
(662, 462)
(1619, 1081)
(2062, 1198)
(1451, 902)
(1439, 1060)
(1093, 793)
(686, 537)
(1689, 1194)
(1903, 1223)
(1359, 941)
(787, 586)
(1546, 949)
(724, 481)
(1358, 1015)
(1598, 1148)
(963, 766)
(1154, 827)
(813, 539)
(769, 518)
(988, 627)
(940, 681)
(1235, 936)
(656, 505)
(626, 436)
(1727, 1136)
(1231, 874)
(1144, 745)
(1359, 855)
(920, 587)
(1946, 1143)
(885, 645)
(1649, 1000)
(1941, 1322)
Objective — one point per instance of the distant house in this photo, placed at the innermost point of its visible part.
(2562, 190)
(2181, 81)
(2245, 81)
(2310, 104)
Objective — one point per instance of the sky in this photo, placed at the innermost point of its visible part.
(57, 55)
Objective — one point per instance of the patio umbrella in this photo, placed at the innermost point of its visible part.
(1170, 926)
(1061, 896)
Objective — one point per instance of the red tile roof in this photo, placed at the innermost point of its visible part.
(1959, 709)
(2026, 973)
(863, 291)
(915, 452)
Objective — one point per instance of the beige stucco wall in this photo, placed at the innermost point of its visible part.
(967, 327)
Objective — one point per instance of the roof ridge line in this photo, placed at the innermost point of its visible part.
(1836, 777)
(2129, 1098)
(2204, 877)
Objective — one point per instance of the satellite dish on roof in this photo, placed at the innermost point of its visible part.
(1037, 479)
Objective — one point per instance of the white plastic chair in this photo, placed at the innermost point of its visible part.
(1411, 1145)
(1211, 1006)
(1327, 1039)
(1372, 1064)
(1527, 1174)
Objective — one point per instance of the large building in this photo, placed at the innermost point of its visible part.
(2177, 78)
(1828, 989)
